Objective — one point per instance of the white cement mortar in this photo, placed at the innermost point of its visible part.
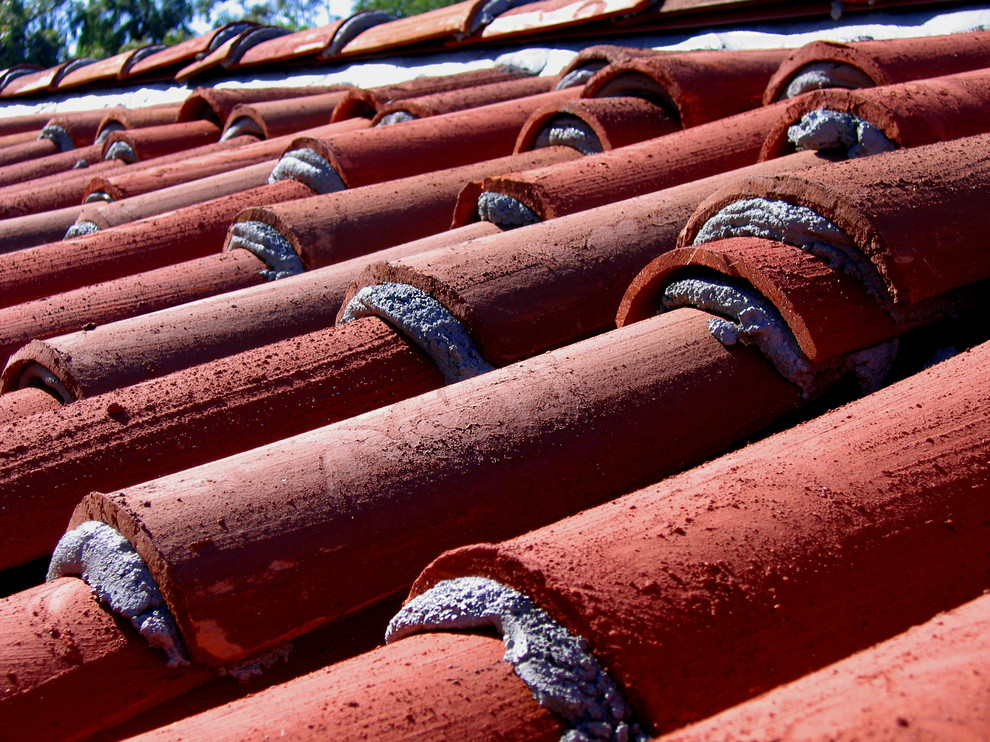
(569, 131)
(818, 75)
(794, 225)
(424, 321)
(268, 244)
(309, 168)
(836, 131)
(505, 212)
(556, 665)
(108, 563)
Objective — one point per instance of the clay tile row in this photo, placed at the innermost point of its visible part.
(661, 589)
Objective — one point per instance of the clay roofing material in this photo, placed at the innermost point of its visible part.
(228, 155)
(933, 680)
(119, 298)
(571, 272)
(697, 87)
(449, 101)
(276, 118)
(878, 62)
(167, 61)
(921, 242)
(42, 80)
(383, 534)
(448, 686)
(60, 629)
(632, 170)
(614, 122)
(158, 141)
(543, 15)
(217, 409)
(392, 498)
(427, 145)
(230, 51)
(322, 42)
(111, 68)
(791, 550)
(121, 117)
(167, 239)
(366, 101)
(357, 221)
(119, 354)
(908, 114)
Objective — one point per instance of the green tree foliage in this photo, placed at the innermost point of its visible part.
(401, 8)
(106, 27)
(294, 15)
(32, 32)
(47, 32)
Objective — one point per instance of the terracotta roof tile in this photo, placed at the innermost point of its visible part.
(322, 42)
(773, 551)
(932, 681)
(190, 382)
(167, 61)
(571, 272)
(229, 52)
(115, 355)
(43, 80)
(112, 68)
(888, 62)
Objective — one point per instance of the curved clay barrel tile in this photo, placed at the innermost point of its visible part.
(184, 234)
(224, 156)
(58, 163)
(283, 117)
(33, 122)
(593, 58)
(215, 104)
(433, 686)
(923, 241)
(226, 54)
(632, 170)
(133, 208)
(451, 20)
(42, 80)
(570, 272)
(121, 117)
(885, 62)
(10, 140)
(36, 229)
(60, 643)
(365, 102)
(120, 298)
(157, 141)
(392, 487)
(615, 122)
(305, 43)
(215, 409)
(106, 71)
(56, 191)
(697, 87)
(357, 221)
(795, 550)
(26, 402)
(427, 145)
(31, 150)
(185, 51)
(449, 101)
(909, 114)
(925, 682)
(123, 353)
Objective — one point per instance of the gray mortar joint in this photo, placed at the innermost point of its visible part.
(556, 665)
